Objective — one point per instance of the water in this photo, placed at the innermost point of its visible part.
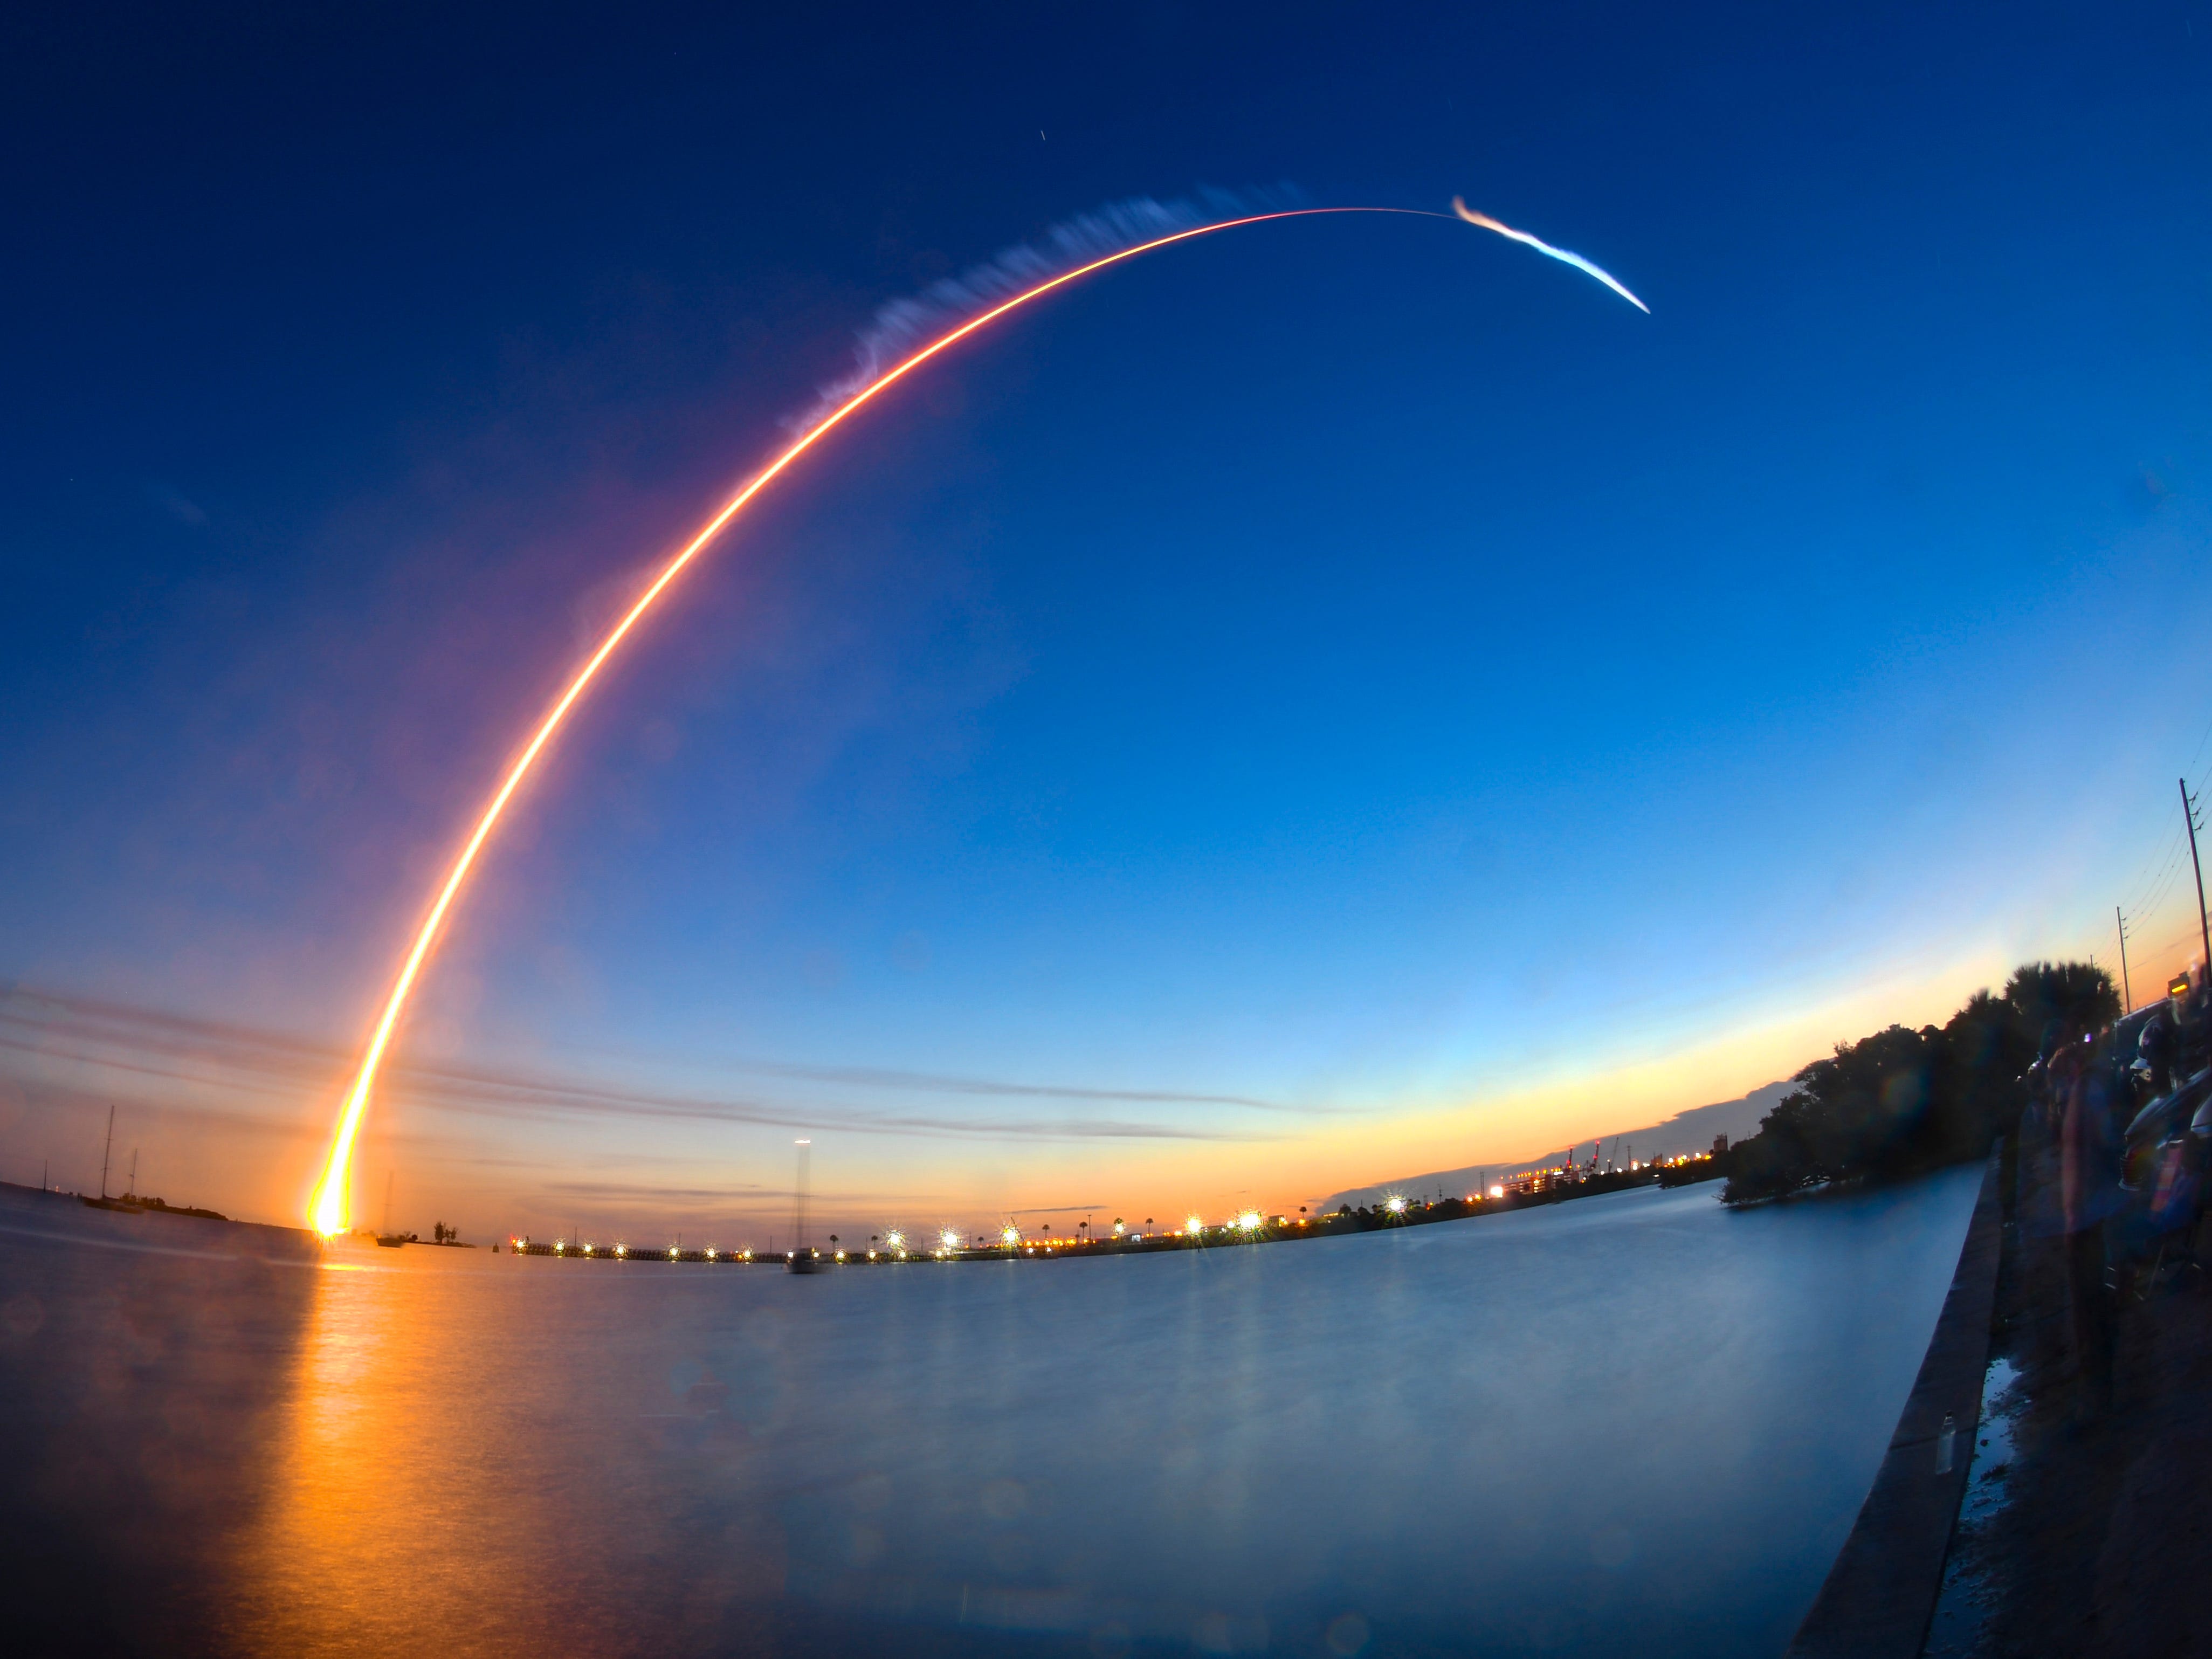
(1636, 1422)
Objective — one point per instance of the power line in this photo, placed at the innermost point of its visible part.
(2203, 923)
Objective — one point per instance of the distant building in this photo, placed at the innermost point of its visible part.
(1720, 1144)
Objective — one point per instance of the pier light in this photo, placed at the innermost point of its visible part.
(1395, 1206)
(747, 1254)
(671, 1252)
(1192, 1224)
(558, 1246)
(841, 1256)
(588, 1249)
(949, 1239)
(1009, 1235)
(871, 1255)
(1249, 1222)
(1497, 1191)
(710, 1253)
(621, 1249)
(894, 1239)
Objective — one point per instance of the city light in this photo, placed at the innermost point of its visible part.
(1395, 1206)
(950, 1239)
(621, 1249)
(1249, 1221)
(896, 1239)
(1191, 1223)
(1009, 1235)
(1497, 1191)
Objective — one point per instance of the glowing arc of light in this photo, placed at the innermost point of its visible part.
(1543, 246)
(329, 1207)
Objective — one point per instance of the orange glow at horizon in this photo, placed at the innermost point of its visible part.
(330, 1206)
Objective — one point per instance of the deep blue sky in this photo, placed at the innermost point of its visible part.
(1353, 664)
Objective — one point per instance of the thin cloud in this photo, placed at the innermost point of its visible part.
(117, 1037)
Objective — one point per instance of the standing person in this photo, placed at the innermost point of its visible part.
(2071, 1150)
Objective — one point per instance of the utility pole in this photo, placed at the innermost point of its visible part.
(2188, 818)
(2127, 996)
(133, 1192)
(105, 1150)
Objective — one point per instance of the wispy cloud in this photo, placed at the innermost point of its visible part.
(63, 1028)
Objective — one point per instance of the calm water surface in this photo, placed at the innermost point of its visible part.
(1632, 1423)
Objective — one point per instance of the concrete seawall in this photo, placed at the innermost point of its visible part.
(1880, 1593)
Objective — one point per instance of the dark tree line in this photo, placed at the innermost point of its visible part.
(1903, 1101)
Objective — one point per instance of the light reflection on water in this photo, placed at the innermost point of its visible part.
(1635, 1421)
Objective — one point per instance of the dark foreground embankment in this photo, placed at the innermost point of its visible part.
(2103, 1541)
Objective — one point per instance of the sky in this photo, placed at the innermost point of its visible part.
(1339, 698)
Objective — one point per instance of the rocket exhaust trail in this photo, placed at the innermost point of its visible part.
(329, 1207)
(1541, 246)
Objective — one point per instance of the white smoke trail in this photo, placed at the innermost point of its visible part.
(1541, 246)
(899, 325)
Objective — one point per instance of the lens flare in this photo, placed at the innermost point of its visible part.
(330, 1206)
(1541, 246)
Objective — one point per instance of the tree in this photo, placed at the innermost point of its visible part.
(2069, 995)
(1903, 1101)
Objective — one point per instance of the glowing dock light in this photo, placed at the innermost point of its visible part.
(1395, 1206)
(1249, 1222)
(621, 1249)
(1192, 1224)
(671, 1252)
(896, 1239)
(1497, 1191)
(330, 1205)
(1010, 1236)
(950, 1239)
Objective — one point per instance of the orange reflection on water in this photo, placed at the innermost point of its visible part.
(430, 1474)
